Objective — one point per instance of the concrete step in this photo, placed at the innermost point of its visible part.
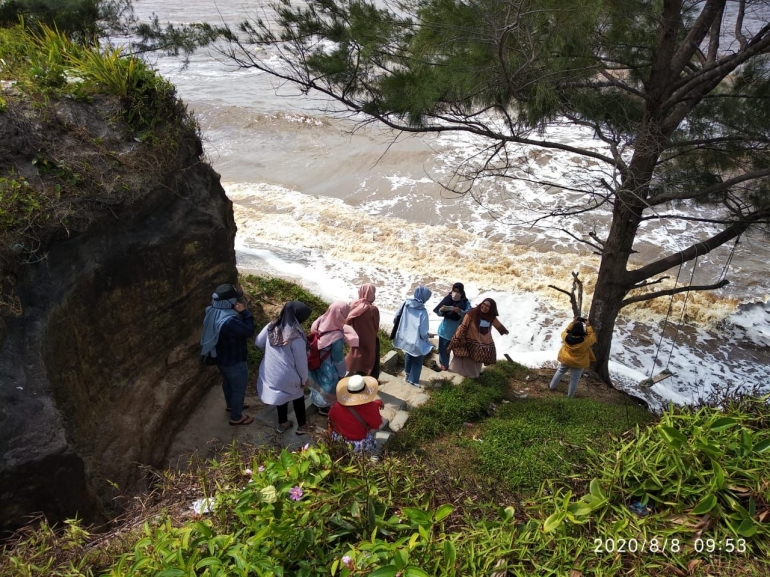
(428, 375)
(391, 405)
(398, 388)
(398, 422)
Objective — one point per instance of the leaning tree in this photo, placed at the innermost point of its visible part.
(678, 92)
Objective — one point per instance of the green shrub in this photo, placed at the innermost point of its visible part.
(19, 203)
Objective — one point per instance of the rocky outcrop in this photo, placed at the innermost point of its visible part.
(99, 356)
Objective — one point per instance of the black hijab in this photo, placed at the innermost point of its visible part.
(447, 301)
(287, 326)
(576, 335)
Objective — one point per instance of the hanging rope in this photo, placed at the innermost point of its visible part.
(665, 322)
(681, 318)
(729, 259)
(722, 276)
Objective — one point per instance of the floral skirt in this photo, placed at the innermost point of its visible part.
(366, 445)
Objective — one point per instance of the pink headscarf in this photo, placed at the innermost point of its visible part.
(365, 299)
(332, 323)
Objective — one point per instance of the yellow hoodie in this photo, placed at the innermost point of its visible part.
(579, 355)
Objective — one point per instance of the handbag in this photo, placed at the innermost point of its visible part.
(396, 322)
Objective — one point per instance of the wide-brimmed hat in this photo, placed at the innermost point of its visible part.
(356, 390)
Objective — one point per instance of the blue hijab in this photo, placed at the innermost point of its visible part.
(217, 315)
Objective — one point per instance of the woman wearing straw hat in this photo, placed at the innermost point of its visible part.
(355, 417)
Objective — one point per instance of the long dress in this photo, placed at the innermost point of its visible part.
(472, 347)
(363, 358)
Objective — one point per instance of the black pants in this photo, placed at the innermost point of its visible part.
(299, 411)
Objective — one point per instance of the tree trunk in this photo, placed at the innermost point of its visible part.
(612, 283)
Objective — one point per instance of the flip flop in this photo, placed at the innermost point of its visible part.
(434, 365)
(303, 430)
(228, 409)
(244, 420)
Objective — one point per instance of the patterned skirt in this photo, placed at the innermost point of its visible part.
(366, 445)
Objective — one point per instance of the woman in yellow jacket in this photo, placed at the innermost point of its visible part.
(575, 354)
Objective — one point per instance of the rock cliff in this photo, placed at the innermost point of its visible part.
(99, 332)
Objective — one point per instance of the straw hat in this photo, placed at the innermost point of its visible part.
(356, 390)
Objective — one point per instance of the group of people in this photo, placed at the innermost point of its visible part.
(285, 373)
(342, 386)
(465, 332)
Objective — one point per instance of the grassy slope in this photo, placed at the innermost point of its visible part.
(480, 480)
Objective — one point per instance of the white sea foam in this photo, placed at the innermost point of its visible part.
(332, 248)
(398, 228)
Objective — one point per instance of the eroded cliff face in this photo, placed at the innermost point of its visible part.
(99, 357)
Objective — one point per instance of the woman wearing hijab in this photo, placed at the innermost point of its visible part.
(411, 333)
(227, 326)
(283, 372)
(472, 343)
(333, 333)
(364, 317)
(452, 308)
(355, 417)
(575, 354)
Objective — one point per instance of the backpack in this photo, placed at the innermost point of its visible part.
(314, 356)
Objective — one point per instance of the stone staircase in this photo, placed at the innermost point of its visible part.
(208, 430)
(398, 397)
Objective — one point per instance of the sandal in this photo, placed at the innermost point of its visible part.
(303, 430)
(228, 409)
(283, 427)
(434, 365)
(244, 420)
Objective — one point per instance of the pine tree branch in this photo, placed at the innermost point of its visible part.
(699, 249)
(717, 188)
(668, 292)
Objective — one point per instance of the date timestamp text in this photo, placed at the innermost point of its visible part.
(668, 545)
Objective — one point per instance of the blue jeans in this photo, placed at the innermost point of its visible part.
(413, 368)
(235, 379)
(443, 354)
(574, 378)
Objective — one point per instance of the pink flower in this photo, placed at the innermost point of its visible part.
(347, 561)
(261, 468)
(295, 493)
(247, 472)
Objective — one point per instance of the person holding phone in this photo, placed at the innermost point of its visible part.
(575, 354)
(227, 326)
(452, 309)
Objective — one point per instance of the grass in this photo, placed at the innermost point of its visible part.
(321, 512)
(484, 432)
(265, 297)
(479, 481)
